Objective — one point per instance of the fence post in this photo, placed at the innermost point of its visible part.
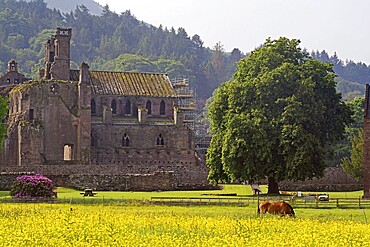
(337, 202)
(359, 202)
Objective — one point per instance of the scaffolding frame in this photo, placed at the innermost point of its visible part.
(194, 116)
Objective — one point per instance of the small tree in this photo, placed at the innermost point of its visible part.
(36, 186)
(354, 165)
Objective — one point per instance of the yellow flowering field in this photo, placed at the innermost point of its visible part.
(99, 225)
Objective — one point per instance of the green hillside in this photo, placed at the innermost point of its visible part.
(67, 6)
(107, 40)
(25, 26)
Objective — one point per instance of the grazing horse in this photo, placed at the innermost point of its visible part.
(280, 208)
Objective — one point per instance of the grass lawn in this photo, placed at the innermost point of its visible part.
(228, 189)
(238, 189)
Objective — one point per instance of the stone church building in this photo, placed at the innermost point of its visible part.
(98, 129)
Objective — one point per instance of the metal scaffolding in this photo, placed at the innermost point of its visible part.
(186, 100)
(194, 114)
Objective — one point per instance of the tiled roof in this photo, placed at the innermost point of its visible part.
(128, 83)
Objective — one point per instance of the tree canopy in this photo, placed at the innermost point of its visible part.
(354, 165)
(352, 76)
(342, 150)
(350, 150)
(97, 40)
(276, 118)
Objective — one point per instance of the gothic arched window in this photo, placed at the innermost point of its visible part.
(162, 108)
(93, 106)
(135, 110)
(114, 107)
(160, 140)
(128, 107)
(125, 140)
(149, 107)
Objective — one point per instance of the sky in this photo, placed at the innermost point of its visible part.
(341, 26)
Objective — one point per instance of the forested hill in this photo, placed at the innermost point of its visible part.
(97, 40)
(70, 5)
(352, 76)
(112, 41)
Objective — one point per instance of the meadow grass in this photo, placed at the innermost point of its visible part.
(238, 189)
(134, 221)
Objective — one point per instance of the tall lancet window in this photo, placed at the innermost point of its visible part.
(114, 107)
(125, 140)
(160, 140)
(162, 108)
(93, 106)
(149, 107)
(128, 107)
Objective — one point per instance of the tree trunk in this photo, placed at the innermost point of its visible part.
(273, 187)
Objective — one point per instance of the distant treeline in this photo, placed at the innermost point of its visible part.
(122, 42)
(25, 26)
(352, 76)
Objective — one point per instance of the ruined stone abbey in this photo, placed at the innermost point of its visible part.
(97, 129)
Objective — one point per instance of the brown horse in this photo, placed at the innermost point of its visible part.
(280, 208)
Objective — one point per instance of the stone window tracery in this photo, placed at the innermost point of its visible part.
(126, 140)
(68, 152)
(160, 140)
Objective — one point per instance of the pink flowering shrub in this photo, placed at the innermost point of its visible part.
(36, 186)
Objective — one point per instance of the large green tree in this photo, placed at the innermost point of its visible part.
(276, 118)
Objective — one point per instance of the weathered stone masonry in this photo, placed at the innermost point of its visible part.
(99, 129)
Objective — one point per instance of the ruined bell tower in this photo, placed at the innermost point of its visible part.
(84, 114)
(57, 55)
